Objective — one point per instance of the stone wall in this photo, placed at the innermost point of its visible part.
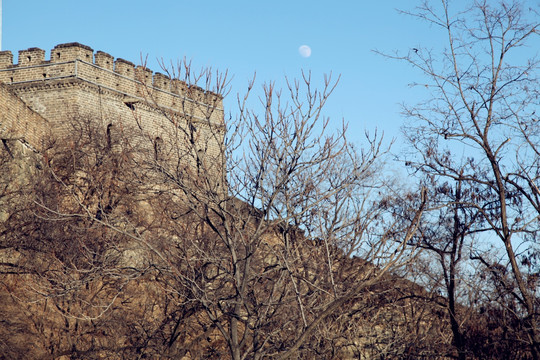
(75, 60)
(19, 122)
(77, 82)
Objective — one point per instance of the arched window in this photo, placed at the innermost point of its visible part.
(158, 148)
(109, 140)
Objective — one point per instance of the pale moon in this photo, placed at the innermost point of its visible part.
(305, 51)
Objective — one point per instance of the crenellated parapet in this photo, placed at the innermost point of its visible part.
(78, 61)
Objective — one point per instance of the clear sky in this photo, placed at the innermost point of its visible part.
(247, 36)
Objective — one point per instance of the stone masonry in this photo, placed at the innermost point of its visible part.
(78, 82)
(20, 123)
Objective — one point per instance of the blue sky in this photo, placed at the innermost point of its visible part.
(248, 36)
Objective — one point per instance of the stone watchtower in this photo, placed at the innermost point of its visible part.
(78, 82)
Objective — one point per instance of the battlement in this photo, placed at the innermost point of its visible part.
(78, 61)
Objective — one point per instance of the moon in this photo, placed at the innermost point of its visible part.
(304, 51)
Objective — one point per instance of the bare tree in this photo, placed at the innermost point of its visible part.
(268, 259)
(478, 131)
(69, 285)
(448, 234)
(258, 237)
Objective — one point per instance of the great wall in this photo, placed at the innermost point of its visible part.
(37, 96)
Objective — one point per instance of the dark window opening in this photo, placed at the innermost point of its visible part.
(29, 58)
(130, 103)
(158, 144)
(109, 141)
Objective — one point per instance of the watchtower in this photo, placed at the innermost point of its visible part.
(75, 81)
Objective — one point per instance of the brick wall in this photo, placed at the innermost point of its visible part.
(77, 82)
(19, 122)
(76, 60)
